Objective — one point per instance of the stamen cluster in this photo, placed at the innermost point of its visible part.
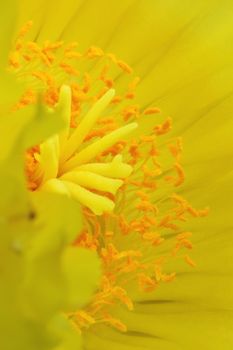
(125, 181)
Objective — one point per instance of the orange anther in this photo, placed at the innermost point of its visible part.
(151, 110)
(180, 173)
(163, 128)
(94, 52)
(124, 66)
(69, 69)
(189, 261)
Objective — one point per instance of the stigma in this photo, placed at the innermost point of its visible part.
(66, 163)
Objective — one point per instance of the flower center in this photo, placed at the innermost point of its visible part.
(124, 180)
(79, 161)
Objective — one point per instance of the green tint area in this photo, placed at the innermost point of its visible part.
(42, 275)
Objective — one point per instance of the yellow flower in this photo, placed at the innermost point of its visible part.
(182, 51)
